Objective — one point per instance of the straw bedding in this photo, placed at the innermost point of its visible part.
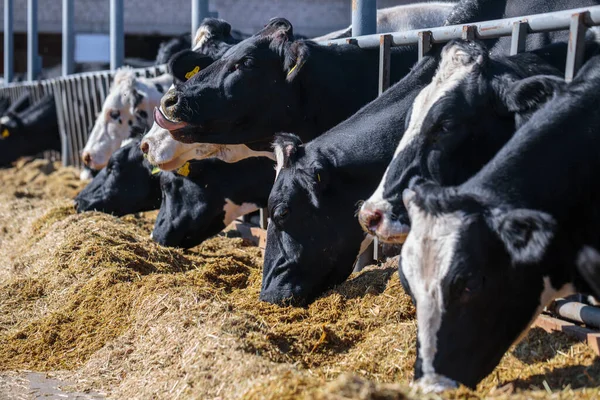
(89, 297)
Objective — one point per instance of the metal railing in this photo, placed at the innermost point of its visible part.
(79, 99)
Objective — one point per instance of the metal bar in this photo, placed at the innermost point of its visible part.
(364, 17)
(264, 218)
(577, 312)
(199, 12)
(384, 62)
(32, 40)
(68, 37)
(548, 22)
(117, 48)
(518, 37)
(576, 47)
(424, 43)
(8, 41)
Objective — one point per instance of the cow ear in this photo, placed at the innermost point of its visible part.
(286, 146)
(525, 233)
(295, 58)
(531, 93)
(588, 265)
(187, 63)
(278, 28)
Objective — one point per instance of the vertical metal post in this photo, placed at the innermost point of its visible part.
(364, 17)
(518, 38)
(385, 43)
(576, 47)
(117, 49)
(8, 41)
(199, 12)
(32, 40)
(424, 43)
(264, 218)
(468, 32)
(68, 44)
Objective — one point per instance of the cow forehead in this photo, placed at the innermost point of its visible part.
(430, 246)
(454, 67)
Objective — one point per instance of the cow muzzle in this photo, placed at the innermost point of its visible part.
(378, 222)
(434, 383)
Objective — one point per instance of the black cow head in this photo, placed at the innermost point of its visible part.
(305, 254)
(474, 272)
(126, 185)
(232, 100)
(457, 123)
(192, 210)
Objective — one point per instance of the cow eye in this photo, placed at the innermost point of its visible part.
(245, 63)
(280, 214)
(114, 114)
(143, 114)
(472, 286)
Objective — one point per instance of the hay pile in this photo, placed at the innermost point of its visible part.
(91, 295)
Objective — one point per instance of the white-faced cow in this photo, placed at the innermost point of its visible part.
(126, 112)
(458, 123)
(484, 258)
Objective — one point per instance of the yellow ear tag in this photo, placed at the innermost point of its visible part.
(184, 170)
(5, 133)
(319, 177)
(292, 70)
(155, 170)
(192, 72)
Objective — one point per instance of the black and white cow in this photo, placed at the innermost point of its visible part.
(30, 132)
(313, 239)
(211, 196)
(196, 202)
(270, 83)
(21, 104)
(484, 258)
(458, 123)
(125, 186)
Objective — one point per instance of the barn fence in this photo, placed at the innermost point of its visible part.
(79, 98)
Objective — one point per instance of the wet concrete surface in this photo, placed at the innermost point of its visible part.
(35, 385)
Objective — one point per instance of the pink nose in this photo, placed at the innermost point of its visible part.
(145, 147)
(87, 158)
(370, 220)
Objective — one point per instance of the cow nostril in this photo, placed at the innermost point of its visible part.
(145, 147)
(373, 220)
(169, 100)
(87, 158)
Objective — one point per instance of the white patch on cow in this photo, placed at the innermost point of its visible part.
(364, 257)
(279, 158)
(4, 120)
(454, 67)
(426, 258)
(234, 211)
(108, 133)
(170, 154)
(85, 175)
(201, 37)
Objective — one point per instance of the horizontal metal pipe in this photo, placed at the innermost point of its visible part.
(555, 21)
(577, 312)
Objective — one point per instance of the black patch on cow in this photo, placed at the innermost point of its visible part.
(187, 61)
(159, 87)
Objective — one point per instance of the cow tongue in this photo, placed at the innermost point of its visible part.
(166, 123)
